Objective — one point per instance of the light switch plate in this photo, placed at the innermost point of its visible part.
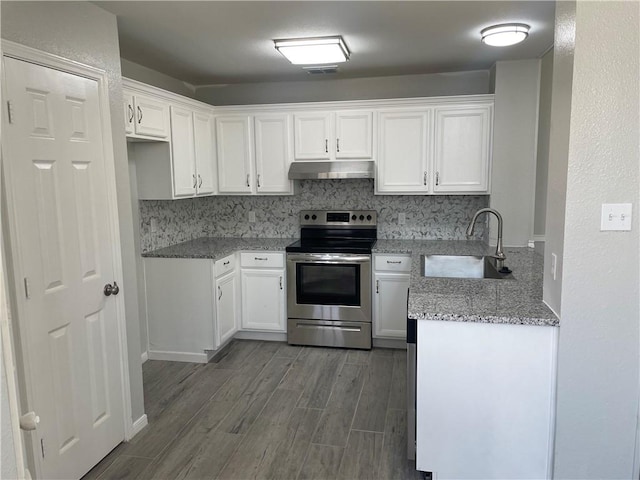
(616, 216)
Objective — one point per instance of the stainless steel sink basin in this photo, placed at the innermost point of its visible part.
(460, 266)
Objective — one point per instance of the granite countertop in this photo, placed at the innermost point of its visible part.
(218, 247)
(516, 300)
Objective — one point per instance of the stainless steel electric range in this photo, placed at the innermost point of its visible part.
(329, 279)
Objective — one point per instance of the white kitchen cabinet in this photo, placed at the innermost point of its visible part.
(462, 148)
(404, 153)
(185, 167)
(180, 308)
(151, 117)
(266, 172)
(333, 135)
(263, 291)
(226, 307)
(274, 152)
(485, 395)
(391, 280)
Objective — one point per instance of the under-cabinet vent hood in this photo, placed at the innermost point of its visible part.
(332, 170)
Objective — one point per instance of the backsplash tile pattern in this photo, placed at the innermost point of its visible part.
(441, 217)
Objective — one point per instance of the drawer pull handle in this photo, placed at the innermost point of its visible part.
(139, 115)
(338, 145)
(280, 283)
(248, 184)
(227, 262)
(377, 286)
(219, 293)
(424, 178)
(394, 261)
(326, 145)
(261, 258)
(131, 113)
(195, 182)
(200, 181)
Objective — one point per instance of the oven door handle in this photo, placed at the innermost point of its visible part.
(333, 259)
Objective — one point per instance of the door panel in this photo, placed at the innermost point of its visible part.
(205, 154)
(55, 174)
(273, 153)
(235, 154)
(313, 137)
(183, 153)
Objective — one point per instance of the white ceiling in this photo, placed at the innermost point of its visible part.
(222, 42)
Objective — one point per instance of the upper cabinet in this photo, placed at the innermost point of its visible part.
(333, 135)
(441, 149)
(462, 147)
(254, 153)
(146, 116)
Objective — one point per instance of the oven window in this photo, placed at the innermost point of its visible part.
(318, 284)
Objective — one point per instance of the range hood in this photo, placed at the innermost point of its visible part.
(332, 170)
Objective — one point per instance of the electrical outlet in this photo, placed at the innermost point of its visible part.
(252, 217)
(554, 265)
(154, 224)
(616, 216)
(402, 218)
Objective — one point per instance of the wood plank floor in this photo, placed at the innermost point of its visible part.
(267, 410)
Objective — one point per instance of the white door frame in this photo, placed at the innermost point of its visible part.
(31, 55)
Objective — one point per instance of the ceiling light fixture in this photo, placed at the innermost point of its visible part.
(505, 34)
(313, 51)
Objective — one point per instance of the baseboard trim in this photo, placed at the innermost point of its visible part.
(267, 336)
(397, 343)
(144, 357)
(138, 425)
(179, 356)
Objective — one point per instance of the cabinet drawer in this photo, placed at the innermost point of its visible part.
(393, 263)
(224, 265)
(262, 259)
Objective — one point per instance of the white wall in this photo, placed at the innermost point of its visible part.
(514, 149)
(146, 75)
(544, 129)
(598, 354)
(400, 86)
(564, 46)
(85, 33)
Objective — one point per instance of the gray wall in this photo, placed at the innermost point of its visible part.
(597, 402)
(563, 52)
(401, 86)
(544, 129)
(514, 148)
(146, 75)
(87, 34)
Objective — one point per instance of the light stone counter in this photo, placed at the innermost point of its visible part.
(219, 247)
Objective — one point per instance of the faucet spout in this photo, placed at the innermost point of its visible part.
(499, 255)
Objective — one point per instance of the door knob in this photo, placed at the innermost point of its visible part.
(111, 289)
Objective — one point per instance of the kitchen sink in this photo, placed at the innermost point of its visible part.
(460, 266)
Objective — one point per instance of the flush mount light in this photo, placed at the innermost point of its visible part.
(505, 34)
(313, 51)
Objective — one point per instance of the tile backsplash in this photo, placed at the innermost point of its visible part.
(443, 217)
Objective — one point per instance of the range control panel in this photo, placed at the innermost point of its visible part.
(339, 218)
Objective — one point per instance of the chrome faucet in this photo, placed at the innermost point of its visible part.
(499, 255)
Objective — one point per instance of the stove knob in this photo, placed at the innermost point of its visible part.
(361, 217)
(353, 217)
(368, 217)
(306, 217)
(313, 217)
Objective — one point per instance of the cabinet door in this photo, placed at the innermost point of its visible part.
(182, 152)
(403, 154)
(263, 300)
(354, 132)
(273, 153)
(205, 154)
(129, 113)
(226, 308)
(390, 305)
(235, 154)
(462, 149)
(152, 117)
(313, 137)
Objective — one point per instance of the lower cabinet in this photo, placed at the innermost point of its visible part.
(180, 308)
(390, 289)
(262, 277)
(485, 395)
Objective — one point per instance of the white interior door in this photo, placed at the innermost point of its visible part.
(57, 196)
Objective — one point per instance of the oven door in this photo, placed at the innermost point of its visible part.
(329, 286)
